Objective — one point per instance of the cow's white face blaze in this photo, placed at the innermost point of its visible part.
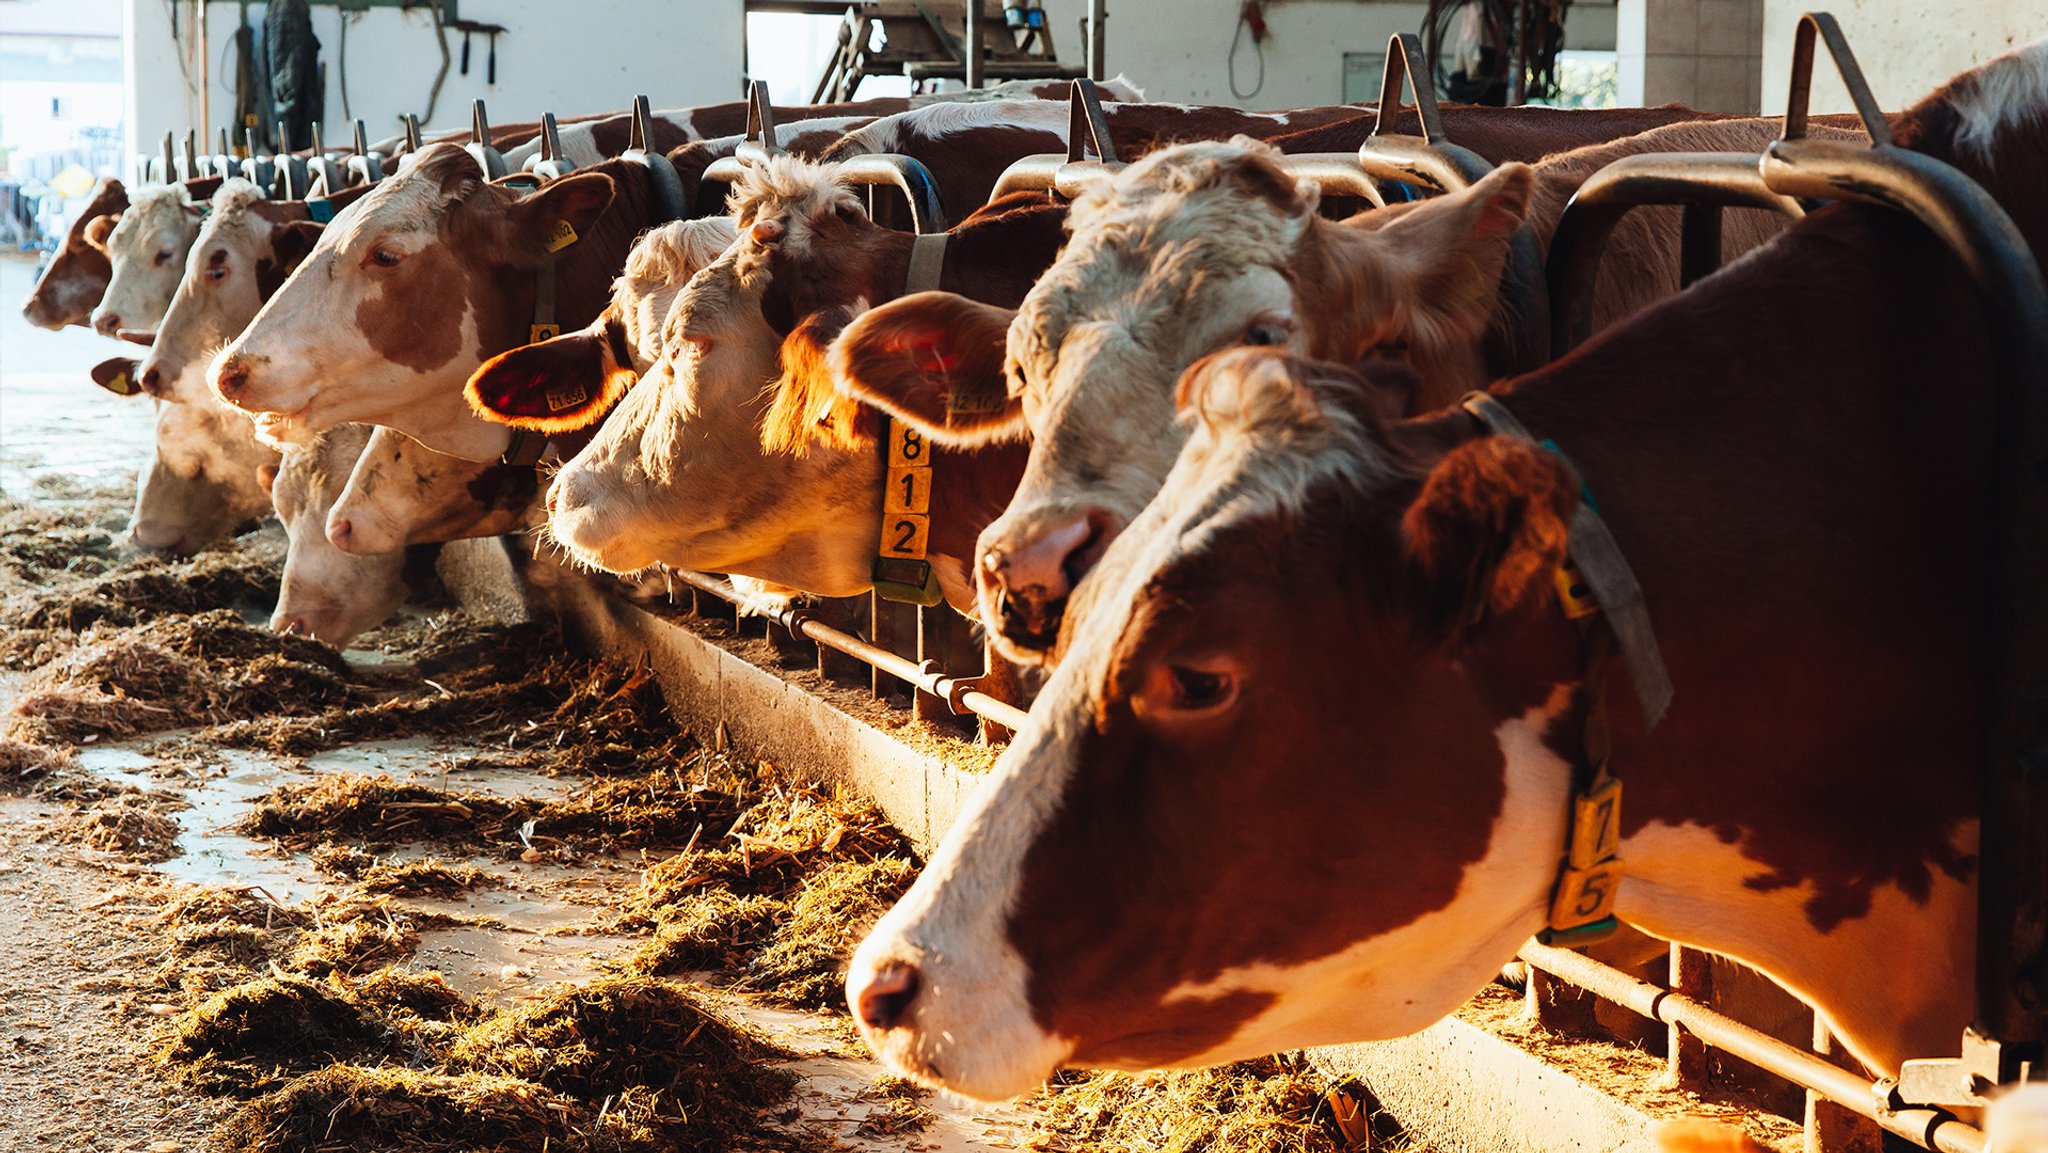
(402, 492)
(1013, 929)
(147, 251)
(1197, 248)
(218, 295)
(677, 474)
(326, 593)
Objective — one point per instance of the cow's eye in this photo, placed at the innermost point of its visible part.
(163, 257)
(217, 272)
(385, 257)
(1266, 332)
(1200, 690)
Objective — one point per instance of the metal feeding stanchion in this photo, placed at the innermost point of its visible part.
(2007, 1039)
(365, 167)
(256, 168)
(668, 185)
(413, 143)
(489, 159)
(223, 162)
(548, 163)
(325, 175)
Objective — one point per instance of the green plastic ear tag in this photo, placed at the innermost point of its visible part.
(564, 236)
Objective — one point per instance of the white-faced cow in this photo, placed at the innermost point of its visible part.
(1323, 725)
(1208, 245)
(145, 249)
(326, 593)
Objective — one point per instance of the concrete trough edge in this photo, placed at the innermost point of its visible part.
(1453, 1086)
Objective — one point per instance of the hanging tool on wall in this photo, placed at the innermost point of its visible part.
(296, 91)
(490, 34)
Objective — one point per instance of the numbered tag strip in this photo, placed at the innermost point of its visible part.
(1582, 906)
(901, 571)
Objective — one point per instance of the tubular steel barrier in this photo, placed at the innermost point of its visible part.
(958, 692)
(1935, 1128)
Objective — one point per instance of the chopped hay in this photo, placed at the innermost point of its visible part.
(716, 929)
(805, 966)
(423, 995)
(172, 672)
(354, 945)
(903, 1109)
(379, 810)
(22, 761)
(425, 878)
(623, 1033)
(131, 824)
(243, 575)
(251, 1036)
(1270, 1105)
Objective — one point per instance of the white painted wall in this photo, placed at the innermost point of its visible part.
(1907, 48)
(588, 56)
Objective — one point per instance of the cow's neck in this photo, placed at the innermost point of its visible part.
(1792, 462)
(443, 421)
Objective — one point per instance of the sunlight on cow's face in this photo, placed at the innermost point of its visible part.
(202, 479)
(219, 295)
(147, 252)
(1251, 698)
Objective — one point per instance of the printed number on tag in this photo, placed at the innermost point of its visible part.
(567, 398)
(1596, 825)
(907, 448)
(910, 490)
(1585, 894)
(540, 332)
(563, 236)
(904, 535)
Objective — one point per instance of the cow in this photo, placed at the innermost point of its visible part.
(1321, 732)
(202, 481)
(1211, 244)
(678, 474)
(145, 249)
(431, 274)
(76, 277)
(404, 493)
(327, 594)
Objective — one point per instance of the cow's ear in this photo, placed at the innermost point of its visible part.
(118, 376)
(553, 387)
(933, 359)
(1441, 260)
(1487, 531)
(99, 228)
(560, 212)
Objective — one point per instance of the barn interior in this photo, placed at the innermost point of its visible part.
(358, 793)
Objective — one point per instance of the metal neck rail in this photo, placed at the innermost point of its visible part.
(958, 692)
(1937, 1129)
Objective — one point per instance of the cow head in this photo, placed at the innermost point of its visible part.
(677, 473)
(326, 593)
(72, 284)
(404, 295)
(203, 478)
(1282, 675)
(403, 493)
(1196, 248)
(145, 249)
(569, 383)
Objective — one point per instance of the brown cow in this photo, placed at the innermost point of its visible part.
(76, 277)
(1324, 722)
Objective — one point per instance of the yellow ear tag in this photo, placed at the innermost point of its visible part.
(564, 236)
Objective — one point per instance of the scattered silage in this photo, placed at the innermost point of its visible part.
(1270, 1105)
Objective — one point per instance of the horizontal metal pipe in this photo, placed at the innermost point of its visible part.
(1932, 1128)
(927, 678)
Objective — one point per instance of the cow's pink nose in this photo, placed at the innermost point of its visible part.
(341, 532)
(881, 1001)
(291, 626)
(152, 381)
(107, 323)
(1026, 576)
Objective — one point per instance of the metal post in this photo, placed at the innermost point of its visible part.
(973, 46)
(1098, 54)
(1829, 1127)
(1685, 1055)
(205, 60)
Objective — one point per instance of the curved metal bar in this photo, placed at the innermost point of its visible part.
(1335, 173)
(325, 175)
(256, 168)
(1404, 55)
(761, 117)
(488, 159)
(289, 175)
(927, 211)
(188, 167)
(412, 146)
(1087, 125)
(223, 163)
(548, 163)
(724, 170)
(1436, 164)
(1721, 179)
(668, 185)
(164, 169)
(1824, 25)
(365, 167)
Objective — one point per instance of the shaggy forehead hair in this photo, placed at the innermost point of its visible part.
(661, 254)
(157, 207)
(416, 199)
(796, 190)
(1143, 241)
(230, 214)
(2008, 90)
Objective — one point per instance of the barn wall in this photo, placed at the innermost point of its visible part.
(582, 57)
(1907, 49)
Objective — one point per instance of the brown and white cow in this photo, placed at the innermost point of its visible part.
(326, 593)
(678, 473)
(432, 273)
(145, 250)
(76, 277)
(405, 493)
(1303, 776)
(203, 480)
(1203, 246)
